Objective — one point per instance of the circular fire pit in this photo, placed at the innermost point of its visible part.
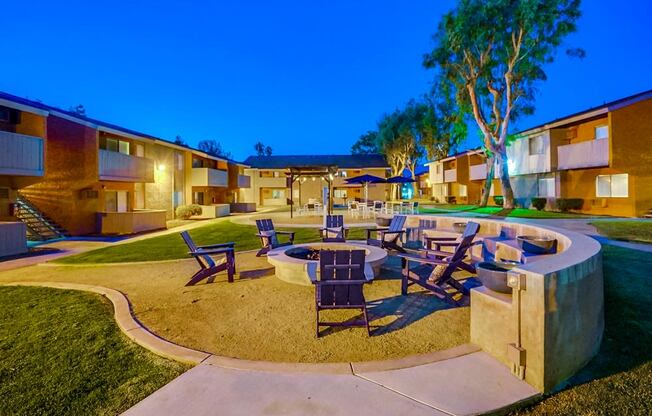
(296, 264)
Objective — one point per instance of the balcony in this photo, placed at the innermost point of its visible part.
(270, 182)
(209, 177)
(120, 167)
(588, 154)
(20, 155)
(131, 222)
(244, 181)
(450, 175)
(478, 172)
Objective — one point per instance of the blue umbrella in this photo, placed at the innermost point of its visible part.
(365, 180)
(400, 179)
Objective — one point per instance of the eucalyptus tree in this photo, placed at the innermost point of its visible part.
(493, 52)
(366, 144)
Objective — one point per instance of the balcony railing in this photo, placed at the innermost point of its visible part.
(20, 155)
(244, 181)
(115, 166)
(209, 177)
(450, 175)
(131, 222)
(270, 182)
(478, 172)
(588, 154)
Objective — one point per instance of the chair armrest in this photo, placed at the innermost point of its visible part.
(213, 251)
(286, 232)
(444, 243)
(217, 246)
(441, 238)
(422, 260)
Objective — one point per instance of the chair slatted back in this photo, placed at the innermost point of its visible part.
(333, 221)
(265, 225)
(470, 232)
(204, 261)
(341, 265)
(423, 226)
(397, 223)
(378, 205)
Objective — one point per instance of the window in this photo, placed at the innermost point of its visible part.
(178, 161)
(536, 145)
(116, 201)
(278, 194)
(277, 174)
(198, 198)
(463, 190)
(343, 174)
(140, 150)
(196, 163)
(5, 115)
(139, 196)
(612, 186)
(547, 187)
(438, 169)
(339, 193)
(602, 132)
(117, 145)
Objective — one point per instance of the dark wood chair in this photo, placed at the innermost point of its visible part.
(472, 228)
(340, 285)
(208, 268)
(388, 237)
(269, 236)
(434, 269)
(333, 230)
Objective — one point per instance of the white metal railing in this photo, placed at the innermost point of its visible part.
(117, 166)
(591, 153)
(20, 154)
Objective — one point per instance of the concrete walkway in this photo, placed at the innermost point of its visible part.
(465, 385)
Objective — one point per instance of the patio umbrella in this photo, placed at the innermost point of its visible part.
(399, 180)
(365, 180)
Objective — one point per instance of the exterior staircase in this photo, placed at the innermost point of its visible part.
(648, 215)
(39, 226)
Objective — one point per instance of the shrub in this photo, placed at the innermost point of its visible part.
(539, 203)
(499, 200)
(569, 204)
(187, 211)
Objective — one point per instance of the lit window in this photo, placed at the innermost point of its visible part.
(602, 132)
(278, 194)
(124, 147)
(339, 193)
(463, 190)
(614, 186)
(547, 187)
(536, 145)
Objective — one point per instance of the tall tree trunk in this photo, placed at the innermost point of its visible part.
(486, 189)
(503, 171)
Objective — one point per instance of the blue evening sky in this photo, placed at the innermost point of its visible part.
(301, 76)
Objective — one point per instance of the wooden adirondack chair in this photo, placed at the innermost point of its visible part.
(333, 230)
(340, 285)
(388, 237)
(208, 268)
(434, 269)
(471, 228)
(269, 236)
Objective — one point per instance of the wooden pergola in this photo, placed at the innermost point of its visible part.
(324, 172)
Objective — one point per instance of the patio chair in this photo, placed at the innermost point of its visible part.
(416, 237)
(388, 237)
(377, 208)
(434, 269)
(340, 285)
(472, 228)
(333, 229)
(355, 209)
(414, 209)
(269, 236)
(208, 268)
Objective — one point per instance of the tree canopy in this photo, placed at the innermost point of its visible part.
(366, 144)
(262, 150)
(213, 148)
(493, 54)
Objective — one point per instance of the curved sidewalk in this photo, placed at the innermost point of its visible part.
(458, 381)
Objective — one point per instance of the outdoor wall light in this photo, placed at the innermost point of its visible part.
(161, 167)
(313, 178)
(331, 176)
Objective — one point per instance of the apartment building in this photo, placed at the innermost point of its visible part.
(598, 155)
(270, 185)
(96, 177)
(459, 178)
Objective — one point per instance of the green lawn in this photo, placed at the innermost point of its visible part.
(498, 212)
(171, 246)
(62, 353)
(618, 380)
(626, 230)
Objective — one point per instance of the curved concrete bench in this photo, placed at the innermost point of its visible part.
(558, 317)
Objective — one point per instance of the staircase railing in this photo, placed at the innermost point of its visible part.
(39, 226)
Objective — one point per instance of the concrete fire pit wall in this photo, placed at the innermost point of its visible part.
(562, 306)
